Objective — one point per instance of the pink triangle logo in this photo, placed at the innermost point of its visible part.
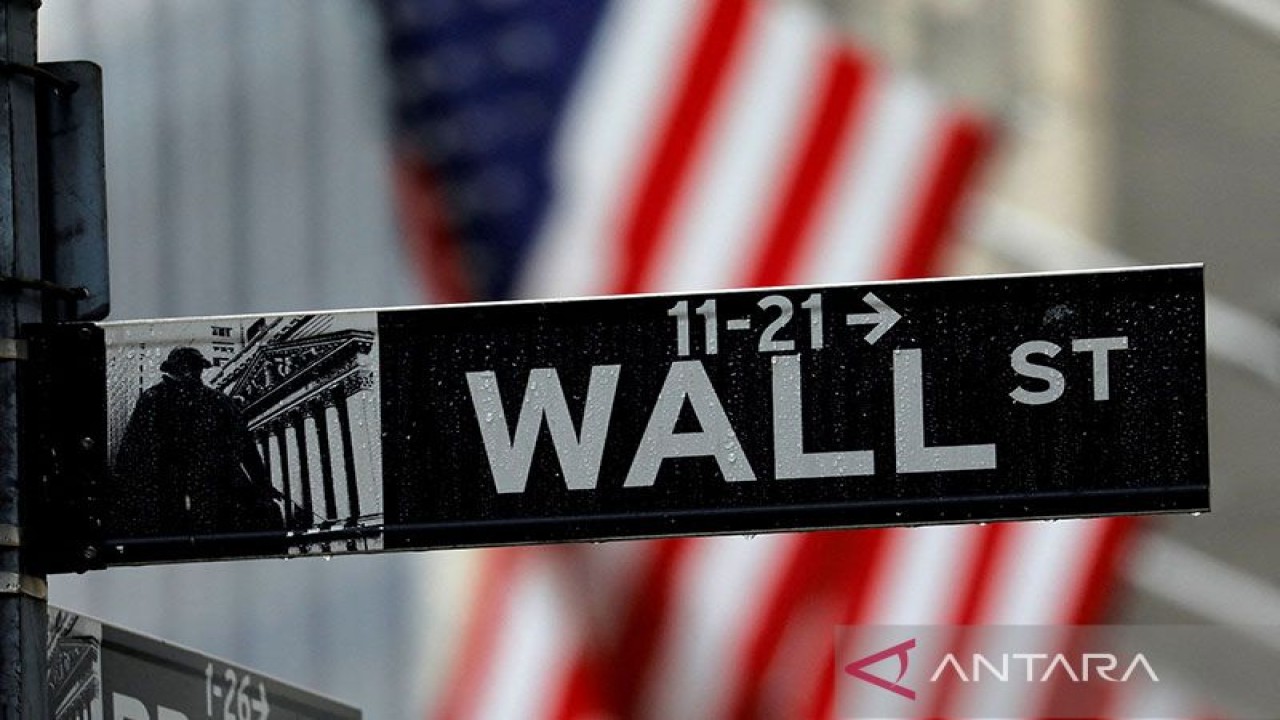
(857, 668)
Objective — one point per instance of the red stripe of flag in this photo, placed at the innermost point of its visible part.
(719, 40)
(965, 143)
(993, 543)
(581, 696)
(864, 552)
(1095, 592)
(427, 232)
(1096, 586)
(644, 623)
(484, 625)
(798, 582)
(841, 98)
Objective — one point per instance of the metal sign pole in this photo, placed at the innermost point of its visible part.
(23, 611)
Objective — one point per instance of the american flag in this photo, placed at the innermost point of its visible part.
(582, 148)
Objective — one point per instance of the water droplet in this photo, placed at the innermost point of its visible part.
(1196, 514)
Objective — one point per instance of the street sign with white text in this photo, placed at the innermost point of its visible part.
(99, 671)
(898, 403)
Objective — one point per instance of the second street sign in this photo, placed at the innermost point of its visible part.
(97, 670)
(902, 403)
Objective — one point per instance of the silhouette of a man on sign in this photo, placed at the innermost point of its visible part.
(187, 464)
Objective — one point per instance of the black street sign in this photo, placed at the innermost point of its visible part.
(898, 403)
(100, 671)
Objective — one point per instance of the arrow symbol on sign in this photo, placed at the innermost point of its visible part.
(883, 318)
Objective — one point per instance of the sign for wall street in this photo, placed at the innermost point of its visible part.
(898, 403)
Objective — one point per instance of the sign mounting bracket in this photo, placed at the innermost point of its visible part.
(73, 194)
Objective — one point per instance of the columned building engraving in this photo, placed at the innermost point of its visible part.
(308, 391)
(74, 657)
(304, 472)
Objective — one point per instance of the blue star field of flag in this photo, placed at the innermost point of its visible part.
(480, 89)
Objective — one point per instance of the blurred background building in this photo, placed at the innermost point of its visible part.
(250, 170)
